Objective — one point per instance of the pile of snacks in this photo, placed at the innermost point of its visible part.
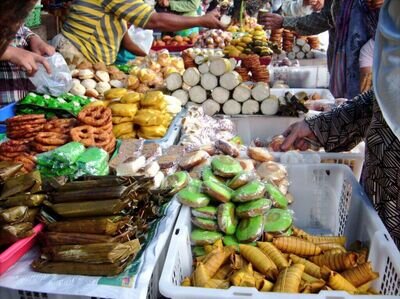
(62, 106)
(149, 72)
(276, 37)
(254, 42)
(72, 160)
(213, 39)
(288, 40)
(176, 41)
(144, 115)
(98, 227)
(19, 202)
(93, 80)
(259, 73)
(313, 41)
(95, 129)
(195, 56)
(301, 49)
(302, 263)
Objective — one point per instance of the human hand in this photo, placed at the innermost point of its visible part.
(295, 134)
(271, 21)
(374, 4)
(211, 20)
(365, 79)
(316, 5)
(26, 60)
(40, 47)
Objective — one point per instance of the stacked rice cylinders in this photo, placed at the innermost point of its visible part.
(214, 85)
(146, 115)
(19, 202)
(89, 228)
(233, 204)
(301, 50)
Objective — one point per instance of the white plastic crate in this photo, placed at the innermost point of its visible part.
(265, 127)
(146, 286)
(328, 200)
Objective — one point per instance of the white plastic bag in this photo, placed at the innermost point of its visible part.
(143, 38)
(56, 83)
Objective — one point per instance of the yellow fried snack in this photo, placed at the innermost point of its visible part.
(149, 117)
(214, 260)
(200, 276)
(115, 93)
(217, 244)
(131, 98)
(223, 272)
(242, 279)
(152, 132)
(131, 135)
(121, 129)
(274, 254)
(297, 246)
(341, 240)
(127, 110)
(217, 284)
(331, 246)
(121, 119)
(310, 267)
(265, 286)
(360, 274)
(336, 262)
(338, 282)
(154, 100)
(237, 262)
(186, 282)
(259, 260)
(289, 279)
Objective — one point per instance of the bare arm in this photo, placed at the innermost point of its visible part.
(168, 22)
(128, 44)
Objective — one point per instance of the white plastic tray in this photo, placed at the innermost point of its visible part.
(20, 282)
(328, 200)
(249, 127)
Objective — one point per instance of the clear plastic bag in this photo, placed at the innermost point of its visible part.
(143, 38)
(56, 83)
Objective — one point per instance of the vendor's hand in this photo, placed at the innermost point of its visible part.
(26, 60)
(295, 136)
(40, 47)
(365, 79)
(374, 4)
(211, 20)
(316, 5)
(271, 21)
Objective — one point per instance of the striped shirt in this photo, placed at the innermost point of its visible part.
(96, 27)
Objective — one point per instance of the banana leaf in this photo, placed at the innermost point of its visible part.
(56, 238)
(28, 182)
(29, 200)
(12, 233)
(94, 182)
(80, 268)
(98, 253)
(101, 225)
(85, 193)
(9, 169)
(90, 208)
(13, 215)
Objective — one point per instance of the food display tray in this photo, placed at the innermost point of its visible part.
(13, 253)
(249, 127)
(328, 200)
(21, 282)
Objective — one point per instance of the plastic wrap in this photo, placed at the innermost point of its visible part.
(66, 154)
(56, 83)
(94, 161)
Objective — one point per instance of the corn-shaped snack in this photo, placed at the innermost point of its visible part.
(223, 272)
(325, 272)
(214, 260)
(265, 286)
(186, 282)
(274, 254)
(242, 279)
(297, 246)
(267, 237)
(316, 286)
(310, 267)
(336, 262)
(217, 244)
(258, 275)
(360, 274)
(259, 260)
(362, 255)
(341, 240)
(289, 279)
(249, 269)
(217, 284)
(200, 276)
(308, 278)
(363, 289)
(237, 262)
(298, 232)
(338, 282)
(306, 289)
(335, 251)
(331, 246)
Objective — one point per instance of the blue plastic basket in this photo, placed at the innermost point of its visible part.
(6, 112)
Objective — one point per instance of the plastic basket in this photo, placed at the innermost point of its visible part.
(264, 127)
(34, 18)
(328, 200)
(13, 253)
